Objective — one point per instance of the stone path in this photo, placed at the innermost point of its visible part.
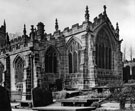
(114, 106)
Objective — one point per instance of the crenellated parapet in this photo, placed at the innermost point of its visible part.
(49, 36)
(17, 40)
(75, 29)
(18, 43)
(38, 34)
(98, 20)
(82, 56)
(57, 34)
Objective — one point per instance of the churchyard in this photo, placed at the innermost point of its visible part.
(105, 98)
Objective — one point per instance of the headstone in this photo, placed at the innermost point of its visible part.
(41, 97)
(4, 100)
(59, 84)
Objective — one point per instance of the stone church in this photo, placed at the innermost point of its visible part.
(81, 57)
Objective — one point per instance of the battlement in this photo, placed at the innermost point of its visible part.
(49, 36)
(38, 33)
(57, 34)
(17, 40)
(76, 28)
(99, 19)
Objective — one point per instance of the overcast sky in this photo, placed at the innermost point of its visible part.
(69, 12)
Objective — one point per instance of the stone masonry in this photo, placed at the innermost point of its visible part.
(82, 56)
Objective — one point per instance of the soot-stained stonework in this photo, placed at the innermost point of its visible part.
(82, 56)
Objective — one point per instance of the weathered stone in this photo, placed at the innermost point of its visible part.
(91, 50)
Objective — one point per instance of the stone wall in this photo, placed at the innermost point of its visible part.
(79, 40)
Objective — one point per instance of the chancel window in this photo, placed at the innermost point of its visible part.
(74, 56)
(51, 61)
(103, 50)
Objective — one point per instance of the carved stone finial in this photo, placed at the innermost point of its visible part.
(32, 28)
(56, 25)
(7, 36)
(32, 34)
(117, 28)
(4, 25)
(87, 14)
(24, 30)
(104, 9)
(117, 25)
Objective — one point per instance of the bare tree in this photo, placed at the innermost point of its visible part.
(122, 93)
(124, 53)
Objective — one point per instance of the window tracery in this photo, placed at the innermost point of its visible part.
(19, 73)
(103, 50)
(74, 57)
(19, 70)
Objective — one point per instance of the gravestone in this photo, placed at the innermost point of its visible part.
(41, 97)
(4, 100)
(59, 84)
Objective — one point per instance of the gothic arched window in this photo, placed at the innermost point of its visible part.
(51, 61)
(103, 50)
(74, 56)
(19, 70)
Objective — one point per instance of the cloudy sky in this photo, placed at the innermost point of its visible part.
(30, 12)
